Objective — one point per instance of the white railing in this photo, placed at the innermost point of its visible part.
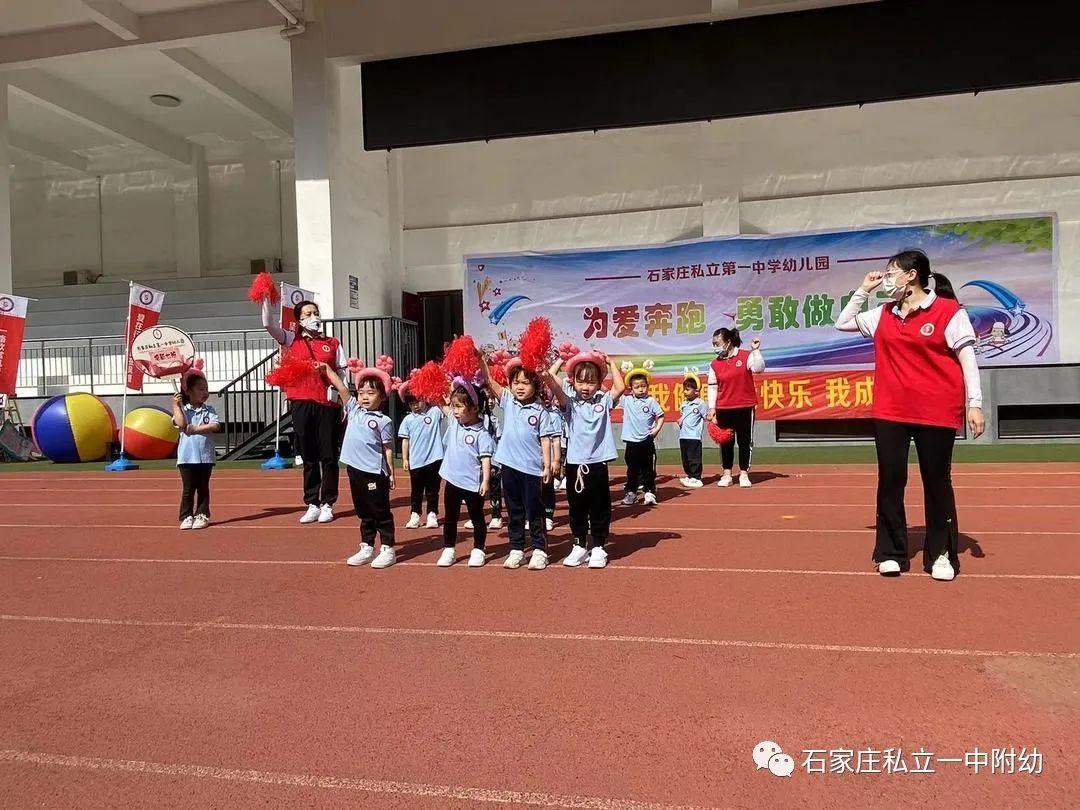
(96, 364)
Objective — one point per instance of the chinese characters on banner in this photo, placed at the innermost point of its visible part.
(144, 310)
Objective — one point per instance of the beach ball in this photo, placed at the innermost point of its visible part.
(149, 433)
(74, 427)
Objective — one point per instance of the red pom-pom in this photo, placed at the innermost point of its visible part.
(290, 371)
(264, 288)
(536, 345)
(460, 359)
(721, 435)
(429, 384)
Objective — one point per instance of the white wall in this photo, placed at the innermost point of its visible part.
(1009, 152)
(55, 221)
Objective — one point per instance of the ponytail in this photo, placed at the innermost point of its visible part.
(730, 336)
(942, 286)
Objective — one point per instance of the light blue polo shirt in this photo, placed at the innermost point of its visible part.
(693, 419)
(558, 421)
(588, 423)
(197, 449)
(425, 435)
(368, 433)
(465, 447)
(523, 425)
(639, 417)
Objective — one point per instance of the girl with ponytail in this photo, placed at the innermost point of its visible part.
(925, 374)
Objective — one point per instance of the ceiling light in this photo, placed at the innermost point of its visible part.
(164, 100)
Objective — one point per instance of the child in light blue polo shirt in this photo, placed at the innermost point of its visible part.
(642, 420)
(197, 422)
(368, 454)
(421, 432)
(466, 469)
(524, 456)
(691, 425)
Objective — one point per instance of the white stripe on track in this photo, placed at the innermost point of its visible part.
(533, 636)
(344, 783)
(665, 503)
(671, 569)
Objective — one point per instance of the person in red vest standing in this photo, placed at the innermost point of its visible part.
(733, 399)
(924, 362)
(317, 418)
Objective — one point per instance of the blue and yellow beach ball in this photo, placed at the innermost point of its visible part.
(149, 433)
(74, 427)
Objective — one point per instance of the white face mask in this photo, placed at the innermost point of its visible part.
(311, 323)
(896, 292)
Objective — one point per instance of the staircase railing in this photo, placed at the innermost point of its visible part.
(250, 406)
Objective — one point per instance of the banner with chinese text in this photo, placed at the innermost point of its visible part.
(664, 302)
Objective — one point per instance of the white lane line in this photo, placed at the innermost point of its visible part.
(533, 636)
(346, 783)
(672, 569)
(665, 503)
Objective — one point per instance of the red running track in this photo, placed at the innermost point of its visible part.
(246, 665)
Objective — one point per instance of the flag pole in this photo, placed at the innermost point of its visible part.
(277, 462)
(122, 463)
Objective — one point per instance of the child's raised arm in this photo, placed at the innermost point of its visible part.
(489, 381)
(557, 392)
(335, 380)
(618, 384)
(178, 417)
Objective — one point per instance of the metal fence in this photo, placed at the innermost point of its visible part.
(96, 364)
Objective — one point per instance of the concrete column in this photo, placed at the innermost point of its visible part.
(191, 214)
(7, 280)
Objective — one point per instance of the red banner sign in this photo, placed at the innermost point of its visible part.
(144, 309)
(12, 327)
(788, 395)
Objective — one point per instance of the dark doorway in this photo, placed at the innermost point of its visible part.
(440, 316)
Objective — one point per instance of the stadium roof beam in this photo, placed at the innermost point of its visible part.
(115, 17)
(29, 145)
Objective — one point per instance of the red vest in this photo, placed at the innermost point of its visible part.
(313, 388)
(734, 382)
(917, 377)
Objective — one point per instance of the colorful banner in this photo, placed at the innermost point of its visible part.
(664, 302)
(290, 297)
(144, 309)
(12, 328)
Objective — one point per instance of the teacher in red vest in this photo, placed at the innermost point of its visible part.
(733, 399)
(316, 417)
(926, 380)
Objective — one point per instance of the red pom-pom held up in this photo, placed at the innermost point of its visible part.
(264, 288)
(460, 359)
(536, 345)
(290, 371)
(430, 384)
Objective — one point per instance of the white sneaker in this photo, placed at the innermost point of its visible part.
(468, 524)
(363, 556)
(538, 561)
(562, 484)
(326, 513)
(432, 520)
(515, 559)
(725, 480)
(630, 499)
(888, 568)
(200, 522)
(695, 483)
(685, 482)
(526, 525)
(187, 523)
(597, 558)
(387, 557)
(447, 558)
(650, 499)
(311, 515)
(477, 558)
(744, 480)
(549, 524)
(942, 569)
(414, 521)
(496, 523)
(576, 556)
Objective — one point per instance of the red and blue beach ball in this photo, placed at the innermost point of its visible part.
(149, 433)
(74, 427)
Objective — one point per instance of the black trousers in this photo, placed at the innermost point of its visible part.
(640, 466)
(453, 498)
(547, 495)
(425, 481)
(495, 497)
(741, 420)
(523, 503)
(371, 499)
(589, 502)
(934, 446)
(195, 498)
(318, 431)
(691, 457)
